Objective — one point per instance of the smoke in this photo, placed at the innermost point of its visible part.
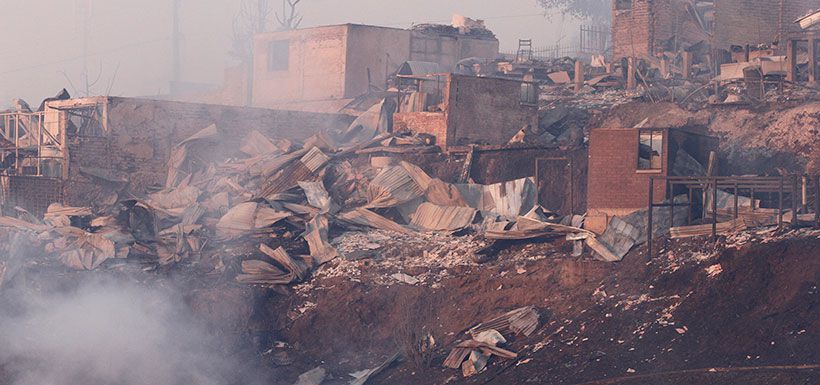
(107, 332)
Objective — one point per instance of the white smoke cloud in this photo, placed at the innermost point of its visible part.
(107, 332)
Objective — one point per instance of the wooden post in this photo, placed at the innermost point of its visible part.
(816, 200)
(670, 187)
(791, 59)
(812, 59)
(649, 217)
(630, 74)
(804, 193)
(714, 209)
(687, 64)
(780, 205)
(579, 75)
(664, 68)
(795, 188)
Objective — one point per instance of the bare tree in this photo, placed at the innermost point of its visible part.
(253, 17)
(593, 10)
(290, 19)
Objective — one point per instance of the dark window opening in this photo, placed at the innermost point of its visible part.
(278, 55)
(650, 150)
(623, 5)
(85, 121)
(529, 94)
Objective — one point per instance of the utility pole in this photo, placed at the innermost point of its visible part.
(175, 71)
(83, 14)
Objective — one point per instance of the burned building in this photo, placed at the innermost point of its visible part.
(323, 68)
(642, 28)
(755, 22)
(82, 151)
(460, 110)
(621, 161)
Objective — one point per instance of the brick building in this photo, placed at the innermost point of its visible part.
(460, 110)
(643, 28)
(110, 145)
(741, 22)
(323, 68)
(621, 162)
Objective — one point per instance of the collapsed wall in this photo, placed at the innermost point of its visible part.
(136, 137)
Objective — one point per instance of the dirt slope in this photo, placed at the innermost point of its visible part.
(601, 320)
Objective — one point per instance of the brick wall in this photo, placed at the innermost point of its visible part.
(615, 187)
(486, 111)
(433, 123)
(641, 30)
(32, 193)
(632, 30)
(741, 22)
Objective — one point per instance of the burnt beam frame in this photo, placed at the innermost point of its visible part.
(780, 185)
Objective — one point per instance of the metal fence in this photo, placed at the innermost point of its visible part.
(548, 52)
(26, 146)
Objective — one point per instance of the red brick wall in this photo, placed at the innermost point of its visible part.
(639, 31)
(632, 30)
(614, 182)
(433, 123)
(741, 22)
(32, 193)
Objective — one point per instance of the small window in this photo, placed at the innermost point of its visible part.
(650, 150)
(85, 120)
(623, 5)
(278, 55)
(529, 94)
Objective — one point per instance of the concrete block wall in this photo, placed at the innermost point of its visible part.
(486, 111)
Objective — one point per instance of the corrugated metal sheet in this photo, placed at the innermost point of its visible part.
(317, 239)
(368, 218)
(248, 217)
(392, 187)
(443, 218)
(508, 199)
(315, 159)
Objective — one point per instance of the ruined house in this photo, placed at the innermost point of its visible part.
(645, 28)
(621, 161)
(324, 68)
(642, 28)
(461, 110)
(90, 148)
(754, 22)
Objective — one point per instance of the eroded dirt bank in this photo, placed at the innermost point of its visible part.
(750, 302)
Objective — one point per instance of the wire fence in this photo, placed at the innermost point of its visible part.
(547, 52)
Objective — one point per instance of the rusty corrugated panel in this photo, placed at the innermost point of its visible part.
(507, 199)
(523, 320)
(365, 217)
(247, 218)
(443, 218)
(315, 159)
(392, 187)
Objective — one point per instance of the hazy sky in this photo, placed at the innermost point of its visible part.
(129, 42)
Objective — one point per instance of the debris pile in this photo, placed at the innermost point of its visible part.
(263, 213)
